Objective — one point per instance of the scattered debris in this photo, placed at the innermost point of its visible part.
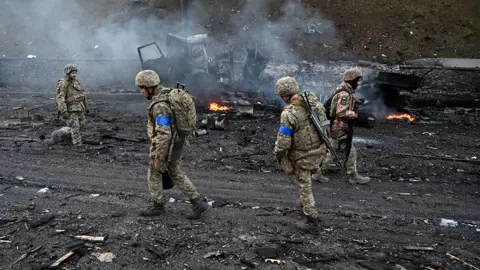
(200, 132)
(267, 253)
(437, 157)
(41, 221)
(90, 238)
(448, 223)
(213, 254)
(26, 254)
(43, 190)
(4, 221)
(412, 248)
(455, 258)
(105, 257)
(62, 259)
(75, 245)
(152, 249)
(274, 261)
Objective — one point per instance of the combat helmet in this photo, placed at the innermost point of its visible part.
(69, 68)
(286, 86)
(352, 74)
(147, 78)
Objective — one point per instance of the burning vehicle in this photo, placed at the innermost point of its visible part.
(187, 61)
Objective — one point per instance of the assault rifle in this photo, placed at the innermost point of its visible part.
(318, 125)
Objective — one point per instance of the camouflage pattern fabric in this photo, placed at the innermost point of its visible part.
(147, 78)
(307, 201)
(298, 138)
(70, 96)
(76, 121)
(286, 86)
(299, 142)
(327, 158)
(165, 146)
(161, 128)
(351, 74)
(342, 110)
(342, 107)
(178, 177)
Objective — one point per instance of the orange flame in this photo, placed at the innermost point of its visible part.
(401, 116)
(215, 107)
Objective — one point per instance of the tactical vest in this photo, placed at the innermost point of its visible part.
(74, 96)
(305, 136)
(333, 106)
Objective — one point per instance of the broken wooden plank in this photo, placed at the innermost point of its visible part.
(27, 253)
(412, 248)
(455, 258)
(89, 238)
(61, 259)
(7, 220)
(437, 157)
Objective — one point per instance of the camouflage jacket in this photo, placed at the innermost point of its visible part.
(70, 96)
(342, 107)
(297, 138)
(162, 135)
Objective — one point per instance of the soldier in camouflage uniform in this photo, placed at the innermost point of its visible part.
(72, 103)
(165, 148)
(342, 110)
(299, 147)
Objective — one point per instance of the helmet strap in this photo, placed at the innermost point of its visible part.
(150, 91)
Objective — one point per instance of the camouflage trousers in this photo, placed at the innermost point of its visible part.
(303, 178)
(324, 161)
(178, 177)
(340, 144)
(76, 121)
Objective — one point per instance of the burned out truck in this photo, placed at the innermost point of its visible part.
(186, 61)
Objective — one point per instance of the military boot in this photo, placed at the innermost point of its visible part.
(319, 177)
(313, 225)
(356, 178)
(80, 148)
(198, 207)
(157, 209)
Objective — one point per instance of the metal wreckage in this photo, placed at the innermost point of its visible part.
(212, 80)
(229, 87)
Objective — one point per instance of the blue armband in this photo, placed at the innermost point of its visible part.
(162, 120)
(285, 131)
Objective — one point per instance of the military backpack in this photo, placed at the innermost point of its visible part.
(182, 104)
